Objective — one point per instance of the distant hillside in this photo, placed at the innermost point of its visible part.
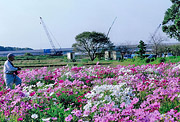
(13, 48)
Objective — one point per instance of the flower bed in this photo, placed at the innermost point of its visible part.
(123, 93)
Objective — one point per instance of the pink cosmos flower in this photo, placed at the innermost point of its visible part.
(78, 113)
(122, 104)
(86, 113)
(134, 101)
(31, 94)
(20, 119)
(67, 109)
(61, 81)
(80, 120)
(94, 108)
(87, 81)
(54, 118)
(69, 118)
(47, 108)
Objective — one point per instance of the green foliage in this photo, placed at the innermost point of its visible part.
(167, 105)
(39, 57)
(142, 49)
(65, 59)
(44, 112)
(80, 65)
(3, 58)
(66, 98)
(100, 55)
(152, 59)
(90, 42)
(97, 59)
(13, 48)
(84, 60)
(162, 60)
(148, 60)
(28, 54)
(171, 22)
(175, 50)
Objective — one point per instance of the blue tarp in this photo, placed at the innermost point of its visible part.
(47, 50)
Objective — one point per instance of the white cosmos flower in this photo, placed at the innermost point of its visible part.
(149, 70)
(108, 98)
(55, 103)
(27, 94)
(34, 116)
(117, 93)
(101, 95)
(46, 119)
(54, 99)
(50, 85)
(39, 84)
(51, 93)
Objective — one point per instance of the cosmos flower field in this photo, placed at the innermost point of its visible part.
(147, 93)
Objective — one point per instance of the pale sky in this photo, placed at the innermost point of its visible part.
(20, 24)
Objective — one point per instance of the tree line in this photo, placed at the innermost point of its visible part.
(2, 48)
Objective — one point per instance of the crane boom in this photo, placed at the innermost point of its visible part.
(156, 31)
(111, 26)
(48, 35)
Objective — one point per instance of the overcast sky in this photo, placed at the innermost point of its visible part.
(20, 24)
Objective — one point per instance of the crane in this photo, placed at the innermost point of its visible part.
(49, 37)
(111, 26)
(156, 31)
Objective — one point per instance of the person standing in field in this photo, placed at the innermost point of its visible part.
(10, 72)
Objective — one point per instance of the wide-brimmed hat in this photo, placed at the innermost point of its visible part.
(10, 55)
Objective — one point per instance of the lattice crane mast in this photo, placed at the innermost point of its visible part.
(156, 31)
(49, 37)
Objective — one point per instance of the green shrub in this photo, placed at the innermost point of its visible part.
(28, 54)
(152, 59)
(80, 65)
(148, 60)
(133, 59)
(172, 57)
(65, 59)
(162, 60)
(96, 59)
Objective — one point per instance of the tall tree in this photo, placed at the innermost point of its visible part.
(156, 42)
(91, 42)
(171, 22)
(142, 49)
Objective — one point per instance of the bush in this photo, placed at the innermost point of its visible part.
(97, 59)
(28, 54)
(65, 59)
(152, 59)
(147, 60)
(162, 60)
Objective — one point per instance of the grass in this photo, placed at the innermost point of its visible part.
(53, 61)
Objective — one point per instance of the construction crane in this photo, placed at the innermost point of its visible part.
(156, 31)
(57, 53)
(111, 26)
